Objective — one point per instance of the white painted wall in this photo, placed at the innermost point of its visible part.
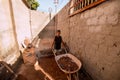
(8, 44)
(39, 21)
(8, 47)
(21, 15)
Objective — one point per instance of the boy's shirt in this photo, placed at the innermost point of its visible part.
(58, 41)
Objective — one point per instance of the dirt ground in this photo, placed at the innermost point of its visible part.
(48, 68)
(28, 72)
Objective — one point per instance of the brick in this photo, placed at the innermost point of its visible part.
(102, 20)
(99, 11)
(109, 40)
(116, 31)
(91, 29)
(92, 21)
(112, 19)
(106, 29)
(112, 7)
(87, 14)
(93, 12)
(95, 29)
(82, 16)
(98, 28)
(89, 22)
(112, 55)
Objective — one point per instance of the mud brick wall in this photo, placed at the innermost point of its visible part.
(94, 37)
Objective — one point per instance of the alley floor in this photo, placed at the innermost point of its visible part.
(28, 72)
(45, 67)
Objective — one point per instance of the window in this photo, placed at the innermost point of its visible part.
(78, 6)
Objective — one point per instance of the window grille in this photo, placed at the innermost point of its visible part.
(78, 6)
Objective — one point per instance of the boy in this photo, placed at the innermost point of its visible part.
(57, 41)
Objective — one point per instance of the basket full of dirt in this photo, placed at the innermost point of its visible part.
(68, 63)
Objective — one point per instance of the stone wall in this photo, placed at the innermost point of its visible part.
(94, 37)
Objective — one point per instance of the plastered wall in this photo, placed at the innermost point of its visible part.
(15, 27)
(8, 45)
(94, 37)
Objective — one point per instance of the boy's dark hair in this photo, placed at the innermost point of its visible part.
(58, 31)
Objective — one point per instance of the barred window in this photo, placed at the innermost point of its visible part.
(78, 6)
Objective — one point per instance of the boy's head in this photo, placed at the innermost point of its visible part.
(58, 32)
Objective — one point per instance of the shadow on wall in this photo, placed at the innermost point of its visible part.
(48, 31)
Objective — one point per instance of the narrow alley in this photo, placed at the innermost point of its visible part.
(88, 32)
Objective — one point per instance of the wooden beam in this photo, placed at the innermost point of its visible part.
(86, 7)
